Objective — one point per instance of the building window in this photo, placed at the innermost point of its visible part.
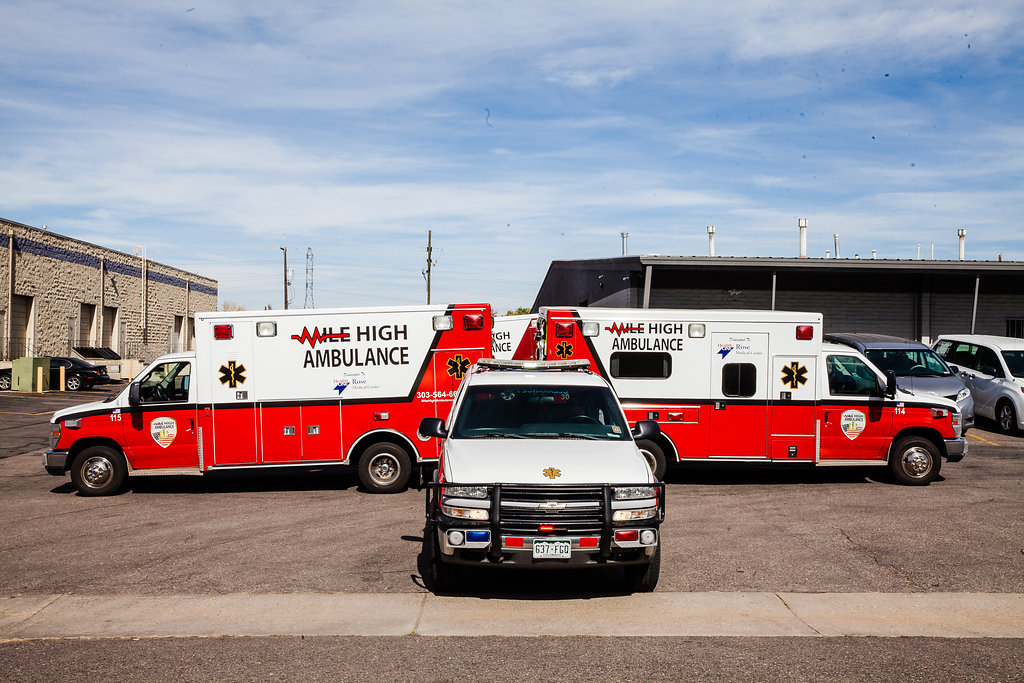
(640, 365)
(739, 379)
(86, 325)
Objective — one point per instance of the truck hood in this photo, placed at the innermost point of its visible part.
(525, 461)
(96, 407)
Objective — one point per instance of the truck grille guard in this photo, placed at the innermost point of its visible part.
(574, 523)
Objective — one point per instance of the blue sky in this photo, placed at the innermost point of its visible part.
(518, 132)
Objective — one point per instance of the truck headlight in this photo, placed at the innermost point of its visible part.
(465, 491)
(632, 492)
(632, 515)
(477, 514)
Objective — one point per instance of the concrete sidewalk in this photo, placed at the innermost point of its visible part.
(943, 615)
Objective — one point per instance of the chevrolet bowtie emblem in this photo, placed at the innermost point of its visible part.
(552, 505)
(552, 473)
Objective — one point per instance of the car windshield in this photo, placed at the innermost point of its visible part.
(517, 411)
(909, 362)
(1015, 361)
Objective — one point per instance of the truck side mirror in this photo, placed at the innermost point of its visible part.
(890, 384)
(646, 429)
(433, 426)
(134, 398)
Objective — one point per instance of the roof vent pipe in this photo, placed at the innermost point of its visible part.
(962, 234)
(624, 236)
(711, 240)
(835, 236)
(874, 254)
(802, 222)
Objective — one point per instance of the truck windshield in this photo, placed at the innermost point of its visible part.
(909, 362)
(517, 411)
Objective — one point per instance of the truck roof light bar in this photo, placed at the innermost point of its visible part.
(502, 364)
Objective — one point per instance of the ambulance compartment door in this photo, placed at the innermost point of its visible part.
(739, 393)
(794, 410)
(233, 394)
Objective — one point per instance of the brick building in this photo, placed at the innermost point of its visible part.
(58, 293)
(916, 299)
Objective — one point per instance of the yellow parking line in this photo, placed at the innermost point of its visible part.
(8, 412)
(990, 443)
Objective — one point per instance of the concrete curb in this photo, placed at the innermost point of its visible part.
(942, 615)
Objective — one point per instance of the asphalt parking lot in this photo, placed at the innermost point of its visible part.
(728, 529)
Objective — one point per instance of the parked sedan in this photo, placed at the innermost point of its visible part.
(993, 368)
(917, 368)
(78, 374)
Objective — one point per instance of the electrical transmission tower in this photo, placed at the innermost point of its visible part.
(309, 278)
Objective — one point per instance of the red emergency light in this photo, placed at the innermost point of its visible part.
(627, 535)
(546, 528)
(588, 542)
(223, 331)
(513, 541)
(804, 332)
(564, 330)
(472, 322)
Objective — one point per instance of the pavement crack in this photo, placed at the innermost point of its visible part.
(33, 615)
(874, 558)
(795, 615)
(419, 614)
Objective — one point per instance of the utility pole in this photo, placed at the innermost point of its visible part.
(430, 263)
(285, 250)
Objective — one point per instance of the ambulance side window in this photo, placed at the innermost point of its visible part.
(739, 379)
(166, 383)
(849, 376)
(640, 365)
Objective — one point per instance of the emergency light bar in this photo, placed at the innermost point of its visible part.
(502, 364)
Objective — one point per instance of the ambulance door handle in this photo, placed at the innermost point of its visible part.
(826, 416)
(191, 425)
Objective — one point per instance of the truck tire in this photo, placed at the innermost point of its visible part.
(643, 578)
(1006, 416)
(915, 461)
(384, 468)
(98, 471)
(655, 458)
(441, 577)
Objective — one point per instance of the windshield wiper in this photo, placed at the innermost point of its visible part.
(496, 435)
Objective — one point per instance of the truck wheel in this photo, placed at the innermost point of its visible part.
(384, 468)
(98, 471)
(655, 458)
(1007, 417)
(915, 461)
(441, 577)
(643, 578)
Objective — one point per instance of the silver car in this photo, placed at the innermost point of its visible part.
(993, 368)
(917, 368)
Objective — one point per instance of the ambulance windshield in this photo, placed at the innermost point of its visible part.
(517, 411)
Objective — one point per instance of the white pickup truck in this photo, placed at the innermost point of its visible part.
(539, 469)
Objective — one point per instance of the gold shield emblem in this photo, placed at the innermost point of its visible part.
(552, 473)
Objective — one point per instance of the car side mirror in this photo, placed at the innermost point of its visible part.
(646, 429)
(134, 398)
(890, 384)
(433, 426)
(954, 369)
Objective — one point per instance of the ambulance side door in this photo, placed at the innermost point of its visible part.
(233, 393)
(161, 430)
(856, 423)
(739, 394)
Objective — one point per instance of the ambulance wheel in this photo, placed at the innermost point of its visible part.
(655, 458)
(384, 468)
(98, 471)
(643, 578)
(441, 576)
(915, 461)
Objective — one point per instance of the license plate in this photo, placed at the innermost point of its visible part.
(552, 549)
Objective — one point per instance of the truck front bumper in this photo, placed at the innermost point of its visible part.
(517, 550)
(55, 462)
(956, 449)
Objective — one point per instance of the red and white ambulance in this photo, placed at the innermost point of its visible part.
(754, 386)
(279, 388)
(514, 337)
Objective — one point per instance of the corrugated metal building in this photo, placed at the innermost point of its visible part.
(917, 299)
